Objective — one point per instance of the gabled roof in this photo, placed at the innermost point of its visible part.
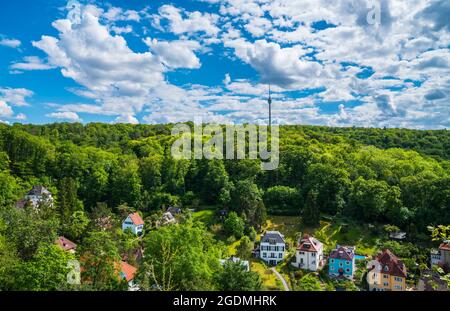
(136, 219)
(309, 244)
(66, 244)
(445, 246)
(390, 264)
(127, 271)
(173, 210)
(38, 190)
(343, 252)
(272, 237)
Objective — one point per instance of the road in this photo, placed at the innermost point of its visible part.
(281, 278)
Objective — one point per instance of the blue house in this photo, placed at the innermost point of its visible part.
(341, 262)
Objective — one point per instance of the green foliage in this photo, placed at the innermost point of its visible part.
(245, 247)
(311, 212)
(234, 225)
(309, 282)
(179, 257)
(234, 277)
(281, 199)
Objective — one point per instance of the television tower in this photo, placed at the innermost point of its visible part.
(269, 101)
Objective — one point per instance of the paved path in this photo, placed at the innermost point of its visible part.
(281, 278)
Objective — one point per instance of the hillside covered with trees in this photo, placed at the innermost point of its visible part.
(370, 176)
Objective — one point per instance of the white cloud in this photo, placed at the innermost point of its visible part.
(181, 21)
(126, 119)
(69, 116)
(12, 43)
(31, 63)
(176, 54)
(15, 97)
(5, 110)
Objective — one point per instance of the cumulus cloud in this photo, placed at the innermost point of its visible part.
(126, 119)
(68, 116)
(15, 96)
(11, 43)
(176, 54)
(31, 63)
(5, 110)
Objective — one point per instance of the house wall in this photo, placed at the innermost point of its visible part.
(128, 224)
(272, 252)
(346, 265)
(308, 260)
(445, 257)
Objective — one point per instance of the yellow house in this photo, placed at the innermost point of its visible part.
(390, 275)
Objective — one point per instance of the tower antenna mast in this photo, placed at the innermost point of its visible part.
(269, 101)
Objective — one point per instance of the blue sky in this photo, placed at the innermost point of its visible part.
(338, 63)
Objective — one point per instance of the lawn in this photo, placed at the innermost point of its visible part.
(289, 226)
(204, 216)
(268, 278)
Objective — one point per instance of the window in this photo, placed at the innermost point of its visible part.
(385, 276)
(264, 255)
(301, 260)
(331, 260)
(347, 270)
(341, 264)
(302, 253)
(313, 254)
(347, 262)
(386, 284)
(280, 255)
(331, 268)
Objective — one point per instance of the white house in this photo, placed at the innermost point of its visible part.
(309, 254)
(441, 257)
(134, 223)
(35, 197)
(233, 259)
(272, 247)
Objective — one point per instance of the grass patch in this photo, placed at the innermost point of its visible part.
(268, 278)
(204, 216)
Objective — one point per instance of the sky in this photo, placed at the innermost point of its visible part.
(365, 63)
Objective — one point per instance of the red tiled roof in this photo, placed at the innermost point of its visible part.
(66, 244)
(445, 246)
(308, 244)
(128, 270)
(394, 265)
(136, 219)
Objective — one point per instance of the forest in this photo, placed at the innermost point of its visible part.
(377, 177)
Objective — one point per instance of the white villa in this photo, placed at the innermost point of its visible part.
(441, 256)
(272, 247)
(35, 197)
(309, 254)
(134, 223)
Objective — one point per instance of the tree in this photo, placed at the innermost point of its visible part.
(311, 213)
(47, 270)
(235, 277)
(245, 248)
(78, 223)
(234, 225)
(216, 179)
(440, 232)
(181, 257)
(309, 282)
(68, 201)
(281, 199)
(8, 261)
(246, 200)
(99, 259)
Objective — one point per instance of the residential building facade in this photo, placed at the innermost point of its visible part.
(134, 223)
(272, 247)
(389, 274)
(309, 254)
(441, 256)
(342, 262)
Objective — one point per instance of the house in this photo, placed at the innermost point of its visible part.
(389, 275)
(272, 247)
(309, 254)
(134, 223)
(66, 244)
(167, 218)
(128, 272)
(397, 235)
(233, 259)
(37, 196)
(174, 210)
(441, 257)
(342, 262)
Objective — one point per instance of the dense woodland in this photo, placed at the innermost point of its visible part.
(370, 176)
